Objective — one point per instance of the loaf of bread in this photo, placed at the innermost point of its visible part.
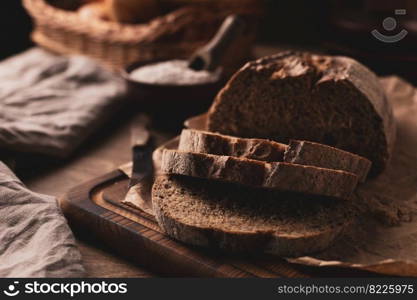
(232, 218)
(94, 10)
(275, 175)
(211, 143)
(298, 152)
(331, 100)
(131, 11)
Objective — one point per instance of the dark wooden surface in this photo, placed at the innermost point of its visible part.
(136, 235)
(95, 209)
(101, 154)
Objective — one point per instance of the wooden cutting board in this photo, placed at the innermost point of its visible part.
(136, 235)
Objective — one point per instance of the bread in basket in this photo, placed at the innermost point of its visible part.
(175, 34)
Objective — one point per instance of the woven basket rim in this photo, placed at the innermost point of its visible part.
(111, 32)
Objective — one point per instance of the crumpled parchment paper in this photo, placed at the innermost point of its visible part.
(384, 237)
(384, 240)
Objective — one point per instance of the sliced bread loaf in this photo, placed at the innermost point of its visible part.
(212, 143)
(276, 175)
(298, 152)
(315, 154)
(230, 217)
(331, 100)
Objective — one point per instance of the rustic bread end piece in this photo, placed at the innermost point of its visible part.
(298, 152)
(314, 154)
(229, 217)
(296, 95)
(218, 144)
(278, 175)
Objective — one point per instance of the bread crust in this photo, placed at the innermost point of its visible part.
(298, 152)
(296, 95)
(211, 143)
(277, 175)
(286, 244)
(319, 155)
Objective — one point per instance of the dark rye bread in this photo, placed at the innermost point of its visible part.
(298, 152)
(275, 175)
(230, 217)
(218, 144)
(319, 155)
(291, 95)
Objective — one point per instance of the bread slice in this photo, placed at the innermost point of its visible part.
(295, 95)
(319, 155)
(277, 175)
(230, 217)
(212, 143)
(298, 152)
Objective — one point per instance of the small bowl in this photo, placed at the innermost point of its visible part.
(189, 99)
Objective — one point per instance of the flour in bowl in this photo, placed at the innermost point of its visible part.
(173, 72)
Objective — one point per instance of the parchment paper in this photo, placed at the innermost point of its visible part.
(384, 237)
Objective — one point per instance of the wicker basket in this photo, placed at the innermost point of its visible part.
(175, 35)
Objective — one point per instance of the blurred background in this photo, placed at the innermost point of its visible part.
(117, 33)
(16, 27)
(333, 26)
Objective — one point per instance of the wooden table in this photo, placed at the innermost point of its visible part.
(102, 153)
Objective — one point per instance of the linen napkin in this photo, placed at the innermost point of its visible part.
(49, 104)
(35, 240)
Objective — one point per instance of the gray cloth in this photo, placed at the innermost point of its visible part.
(49, 104)
(35, 240)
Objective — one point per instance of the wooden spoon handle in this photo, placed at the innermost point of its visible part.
(209, 56)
